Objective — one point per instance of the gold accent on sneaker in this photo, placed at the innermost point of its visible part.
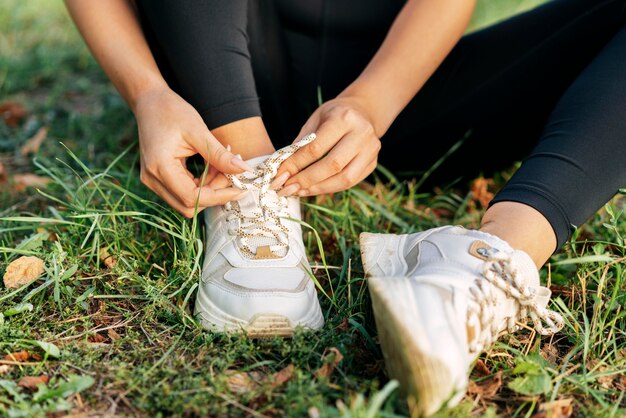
(264, 253)
(480, 249)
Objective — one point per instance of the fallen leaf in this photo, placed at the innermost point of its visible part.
(3, 173)
(488, 387)
(18, 356)
(31, 382)
(4, 369)
(481, 369)
(331, 359)
(480, 192)
(282, 376)
(33, 144)
(96, 338)
(550, 353)
(23, 271)
(114, 336)
(240, 382)
(107, 259)
(12, 113)
(561, 408)
(23, 181)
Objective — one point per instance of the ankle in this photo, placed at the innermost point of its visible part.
(523, 228)
(246, 137)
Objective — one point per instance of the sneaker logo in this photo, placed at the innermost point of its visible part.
(264, 253)
(482, 250)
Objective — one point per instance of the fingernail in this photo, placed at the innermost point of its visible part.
(278, 182)
(228, 148)
(289, 190)
(304, 192)
(239, 163)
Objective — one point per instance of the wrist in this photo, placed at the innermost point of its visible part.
(141, 91)
(380, 118)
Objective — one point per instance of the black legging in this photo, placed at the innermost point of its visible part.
(559, 69)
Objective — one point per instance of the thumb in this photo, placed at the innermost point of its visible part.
(221, 158)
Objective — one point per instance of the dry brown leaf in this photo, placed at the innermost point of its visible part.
(107, 259)
(480, 191)
(481, 369)
(4, 369)
(114, 336)
(12, 113)
(561, 408)
(31, 382)
(17, 356)
(488, 387)
(331, 359)
(550, 353)
(282, 376)
(33, 144)
(23, 271)
(3, 173)
(240, 382)
(97, 338)
(23, 181)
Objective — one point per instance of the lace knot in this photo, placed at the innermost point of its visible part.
(500, 272)
(258, 213)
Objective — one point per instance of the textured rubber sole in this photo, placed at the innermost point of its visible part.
(270, 326)
(424, 379)
(259, 326)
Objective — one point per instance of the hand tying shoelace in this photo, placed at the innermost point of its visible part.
(262, 224)
(499, 272)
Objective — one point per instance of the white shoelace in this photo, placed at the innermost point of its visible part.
(499, 272)
(266, 222)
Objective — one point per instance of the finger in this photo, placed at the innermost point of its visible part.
(176, 181)
(217, 155)
(204, 179)
(334, 162)
(157, 187)
(328, 134)
(354, 173)
(220, 181)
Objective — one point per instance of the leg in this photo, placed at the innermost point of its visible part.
(500, 84)
(503, 82)
(578, 164)
(202, 50)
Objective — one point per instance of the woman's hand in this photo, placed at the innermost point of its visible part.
(344, 153)
(170, 131)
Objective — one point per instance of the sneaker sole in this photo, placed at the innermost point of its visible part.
(424, 379)
(260, 325)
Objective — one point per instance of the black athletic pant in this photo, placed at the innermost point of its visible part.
(548, 85)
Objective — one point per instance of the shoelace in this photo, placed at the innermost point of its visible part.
(500, 272)
(268, 223)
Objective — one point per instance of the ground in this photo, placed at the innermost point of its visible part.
(106, 330)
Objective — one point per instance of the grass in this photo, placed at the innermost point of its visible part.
(121, 341)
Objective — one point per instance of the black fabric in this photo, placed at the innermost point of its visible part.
(204, 47)
(548, 85)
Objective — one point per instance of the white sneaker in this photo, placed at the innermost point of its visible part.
(256, 277)
(440, 298)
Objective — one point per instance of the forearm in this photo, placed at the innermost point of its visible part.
(420, 38)
(114, 36)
